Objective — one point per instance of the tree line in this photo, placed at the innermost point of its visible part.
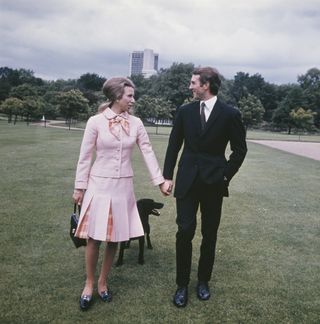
(279, 107)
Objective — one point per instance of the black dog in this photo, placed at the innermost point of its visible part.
(145, 207)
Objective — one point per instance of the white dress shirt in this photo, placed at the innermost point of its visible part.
(209, 104)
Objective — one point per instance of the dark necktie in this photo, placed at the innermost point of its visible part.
(202, 116)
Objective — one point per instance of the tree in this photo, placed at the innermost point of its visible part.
(27, 76)
(310, 80)
(148, 107)
(142, 85)
(240, 85)
(12, 106)
(172, 84)
(4, 90)
(225, 92)
(32, 103)
(23, 91)
(303, 119)
(51, 101)
(310, 83)
(90, 81)
(10, 78)
(293, 100)
(163, 109)
(72, 104)
(93, 97)
(32, 108)
(252, 110)
(245, 84)
(144, 108)
(62, 85)
(269, 97)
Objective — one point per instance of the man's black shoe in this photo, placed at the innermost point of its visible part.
(203, 291)
(180, 298)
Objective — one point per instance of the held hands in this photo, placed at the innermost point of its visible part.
(78, 196)
(166, 187)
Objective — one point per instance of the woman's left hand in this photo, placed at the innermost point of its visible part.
(166, 187)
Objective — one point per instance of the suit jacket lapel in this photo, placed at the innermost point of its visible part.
(213, 116)
(196, 115)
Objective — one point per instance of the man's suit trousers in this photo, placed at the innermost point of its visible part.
(209, 198)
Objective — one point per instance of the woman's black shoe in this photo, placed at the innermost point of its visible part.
(106, 296)
(85, 302)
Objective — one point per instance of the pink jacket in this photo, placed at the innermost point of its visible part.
(113, 155)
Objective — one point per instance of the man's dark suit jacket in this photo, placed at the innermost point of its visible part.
(204, 151)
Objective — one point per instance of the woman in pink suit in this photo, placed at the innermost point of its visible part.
(105, 188)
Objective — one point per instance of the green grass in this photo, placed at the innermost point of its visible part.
(267, 268)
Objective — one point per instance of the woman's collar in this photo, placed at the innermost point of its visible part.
(110, 114)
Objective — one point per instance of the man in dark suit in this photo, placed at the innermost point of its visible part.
(205, 127)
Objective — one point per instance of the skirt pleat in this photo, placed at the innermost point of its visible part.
(109, 211)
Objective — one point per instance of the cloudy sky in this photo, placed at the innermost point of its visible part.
(66, 38)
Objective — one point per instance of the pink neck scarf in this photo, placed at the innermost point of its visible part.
(115, 125)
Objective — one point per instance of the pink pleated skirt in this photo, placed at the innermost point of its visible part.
(109, 211)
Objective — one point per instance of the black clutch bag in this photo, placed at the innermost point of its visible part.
(73, 227)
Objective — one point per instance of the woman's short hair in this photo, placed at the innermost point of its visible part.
(113, 89)
(211, 75)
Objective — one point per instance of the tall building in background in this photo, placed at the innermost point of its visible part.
(136, 63)
(143, 62)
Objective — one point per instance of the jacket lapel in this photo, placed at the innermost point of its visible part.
(213, 116)
(196, 115)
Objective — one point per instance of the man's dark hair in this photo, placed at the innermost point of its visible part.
(211, 75)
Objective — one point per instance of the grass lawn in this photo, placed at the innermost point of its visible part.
(267, 268)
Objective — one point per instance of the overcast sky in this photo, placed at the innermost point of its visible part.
(280, 39)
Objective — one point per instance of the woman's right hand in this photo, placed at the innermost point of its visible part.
(78, 196)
